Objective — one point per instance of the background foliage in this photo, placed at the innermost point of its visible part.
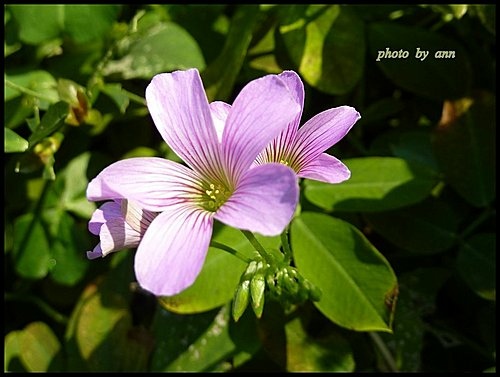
(412, 230)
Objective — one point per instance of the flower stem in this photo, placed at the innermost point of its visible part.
(230, 250)
(256, 244)
(46, 308)
(27, 91)
(134, 97)
(476, 223)
(387, 355)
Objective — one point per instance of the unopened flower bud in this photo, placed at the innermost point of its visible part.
(241, 299)
(257, 290)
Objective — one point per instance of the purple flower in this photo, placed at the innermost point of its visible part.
(218, 183)
(120, 225)
(303, 148)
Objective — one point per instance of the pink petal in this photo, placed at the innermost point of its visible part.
(220, 111)
(153, 183)
(280, 147)
(321, 132)
(114, 233)
(264, 201)
(102, 214)
(179, 107)
(138, 218)
(325, 168)
(294, 84)
(117, 235)
(173, 250)
(261, 111)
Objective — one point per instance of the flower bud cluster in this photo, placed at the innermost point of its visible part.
(281, 282)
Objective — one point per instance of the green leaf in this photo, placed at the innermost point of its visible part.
(449, 11)
(74, 197)
(486, 13)
(376, 184)
(415, 146)
(103, 321)
(70, 263)
(17, 111)
(52, 120)
(410, 145)
(326, 43)
(12, 350)
(435, 78)
(219, 276)
(82, 23)
(31, 30)
(40, 348)
(464, 144)
(476, 264)
(426, 228)
(41, 83)
(219, 77)
(13, 142)
(100, 335)
(116, 93)
(418, 291)
(164, 47)
(201, 342)
(85, 23)
(31, 250)
(328, 353)
(358, 284)
(381, 109)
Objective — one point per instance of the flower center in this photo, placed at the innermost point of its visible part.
(214, 196)
(291, 162)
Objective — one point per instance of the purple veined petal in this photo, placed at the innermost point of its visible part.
(114, 232)
(116, 235)
(264, 201)
(136, 217)
(95, 253)
(321, 132)
(325, 168)
(153, 183)
(295, 85)
(220, 111)
(102, 214)
(179, 107)
(173, 250)
(279, 148)
(263, 108)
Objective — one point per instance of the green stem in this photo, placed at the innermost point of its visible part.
(27, 91)
(256, 244)
(386, 353)
(286, 246)
(46, 308)
(230, 250)
(134, 97)
(482, 217)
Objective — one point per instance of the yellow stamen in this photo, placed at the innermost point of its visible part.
(214, 196)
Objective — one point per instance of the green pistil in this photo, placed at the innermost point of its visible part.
(214, 196)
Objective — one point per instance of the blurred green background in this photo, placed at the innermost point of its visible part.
(75, 77)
